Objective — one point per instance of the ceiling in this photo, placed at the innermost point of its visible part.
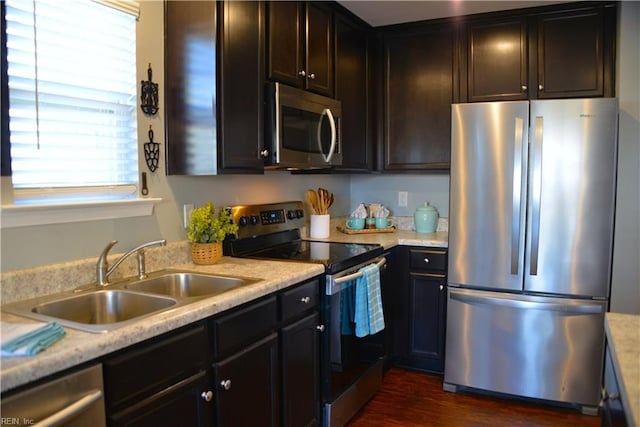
(381, 12)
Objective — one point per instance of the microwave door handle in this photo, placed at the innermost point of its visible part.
(332, 123)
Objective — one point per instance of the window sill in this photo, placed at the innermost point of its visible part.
(28, 215)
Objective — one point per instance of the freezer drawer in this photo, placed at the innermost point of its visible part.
(539, 347)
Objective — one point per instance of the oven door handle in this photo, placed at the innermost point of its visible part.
(334, 285)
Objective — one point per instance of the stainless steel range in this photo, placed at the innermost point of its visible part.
(351, 367)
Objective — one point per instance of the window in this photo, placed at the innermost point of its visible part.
(72, 99)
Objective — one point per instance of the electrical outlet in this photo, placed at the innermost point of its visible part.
(186, 212)
(402, 199)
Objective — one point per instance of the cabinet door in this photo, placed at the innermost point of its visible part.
(247, 386)
(300, 372)
(497, 60)
(427, 320)
(190, 82)
(183, 404)
(572, 54)
(418, 92)
(241, 89)
(284, 42)
(352, 88)
(319, 49)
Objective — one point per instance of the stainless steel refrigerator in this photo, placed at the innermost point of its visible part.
(532, 197)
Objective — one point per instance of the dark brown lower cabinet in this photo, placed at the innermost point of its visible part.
(421, 327)
(300, 372)
(182, 404)
(247, 386)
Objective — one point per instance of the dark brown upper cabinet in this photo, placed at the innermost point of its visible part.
(419, 86)
(497, 58)
(300, 45)
(575, 53)
(214, 87)
(541, 53)
(353, 89)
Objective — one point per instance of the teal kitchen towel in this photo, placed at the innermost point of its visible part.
(369, 318)
(28, 339)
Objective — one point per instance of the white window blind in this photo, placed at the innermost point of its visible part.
(72, 94)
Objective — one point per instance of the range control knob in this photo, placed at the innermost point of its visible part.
(299, 213)
(291, 214)
(253, 220)
(242, 221)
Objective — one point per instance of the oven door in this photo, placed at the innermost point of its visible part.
(352, 366)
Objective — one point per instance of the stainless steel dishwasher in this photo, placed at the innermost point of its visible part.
(75, 400)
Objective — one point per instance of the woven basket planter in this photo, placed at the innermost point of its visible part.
(206, 253)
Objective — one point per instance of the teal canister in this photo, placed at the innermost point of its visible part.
(426, 219)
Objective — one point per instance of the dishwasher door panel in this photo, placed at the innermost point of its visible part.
(540, 347)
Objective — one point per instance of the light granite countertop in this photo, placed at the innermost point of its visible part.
(79, 347)
(623, 336)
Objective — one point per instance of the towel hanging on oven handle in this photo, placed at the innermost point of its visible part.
(333, 285)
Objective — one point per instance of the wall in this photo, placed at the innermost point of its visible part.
(625, 286)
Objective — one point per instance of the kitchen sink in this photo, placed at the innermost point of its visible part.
(188, 285)
(98, 310)
(101, 307)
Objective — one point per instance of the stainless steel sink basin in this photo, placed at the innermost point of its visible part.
(101, 307)
(94, 309)
(188, 285)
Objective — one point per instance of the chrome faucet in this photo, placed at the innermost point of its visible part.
(103, 271)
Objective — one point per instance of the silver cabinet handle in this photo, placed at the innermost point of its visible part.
(305, 300)
(540, 87)
(302, 73)
(524, 88)
(207, 396)
(320, 328)
(61, 417)
(226, 384)
(311, 76)
(264, 153)
(427, 260)
(441, 287)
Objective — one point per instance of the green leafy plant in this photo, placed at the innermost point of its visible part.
(207, 226)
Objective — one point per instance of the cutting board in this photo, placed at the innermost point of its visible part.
(346, 230)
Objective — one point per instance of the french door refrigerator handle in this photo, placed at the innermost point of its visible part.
(564, 306)
(517, 194)
(536, 183)
(332, 123)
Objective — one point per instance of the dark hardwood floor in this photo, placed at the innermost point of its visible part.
(416, 399)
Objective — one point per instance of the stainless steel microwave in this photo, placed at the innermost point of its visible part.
(302, 129)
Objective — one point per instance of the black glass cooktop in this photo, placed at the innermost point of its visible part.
(334, 256)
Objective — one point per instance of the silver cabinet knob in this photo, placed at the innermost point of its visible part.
(264, 153)
(441, 287)
(311, 76)
(320, 328)
(426, 260)
(524, 88)
(305, 300)
(302, 73)
(540, 87)
(207, 396)
(226, 384)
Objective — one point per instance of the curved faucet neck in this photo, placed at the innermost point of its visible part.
(103, 271)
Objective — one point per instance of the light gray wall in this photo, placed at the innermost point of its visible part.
(384, 189)
(625, 286)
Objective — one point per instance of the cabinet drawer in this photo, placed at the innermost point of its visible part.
(243, 326)
(299, 299)
(154, 365)
(428, 259)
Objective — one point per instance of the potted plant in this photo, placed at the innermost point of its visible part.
(207, 229)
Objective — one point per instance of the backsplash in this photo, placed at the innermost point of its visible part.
(50, 279)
